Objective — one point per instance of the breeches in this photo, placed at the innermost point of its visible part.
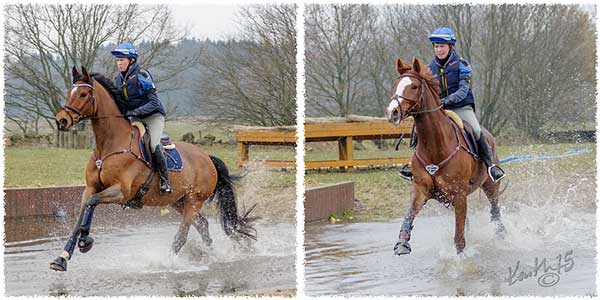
(156, 124)
(468, 115)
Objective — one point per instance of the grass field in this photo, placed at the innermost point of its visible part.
(273, 190)
(384, 194)
(381, 190)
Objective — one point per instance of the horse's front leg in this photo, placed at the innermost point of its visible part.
(113, 194)
(81, 229)
(419, 197)
(460, 215)
(60, 263)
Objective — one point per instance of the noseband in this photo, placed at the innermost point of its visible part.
(411, 111)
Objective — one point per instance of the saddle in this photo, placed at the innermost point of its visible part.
(174, 161)
(467, 130)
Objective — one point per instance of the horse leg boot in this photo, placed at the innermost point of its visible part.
(113, 194)
(419, 199)
(60, 263)
(180, 237)
(492, 193)
(161, 162)
(201, 225)
(485, 151)
(86, 242)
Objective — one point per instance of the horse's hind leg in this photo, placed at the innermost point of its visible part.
(201, 225)
(200, 222)
(181, 236)
(190, 212)
(492, 192)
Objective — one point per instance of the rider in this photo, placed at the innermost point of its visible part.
(454, 74)
(142, 102)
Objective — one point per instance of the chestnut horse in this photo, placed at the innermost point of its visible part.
(443, 168)
(115, 171)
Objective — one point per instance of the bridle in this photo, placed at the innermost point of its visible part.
(411, 111)
(78, 112)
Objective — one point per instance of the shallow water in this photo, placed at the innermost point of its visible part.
(135, 260)
(358, 259)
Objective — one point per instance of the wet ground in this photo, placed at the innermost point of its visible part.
(134, 260)
(357, 258)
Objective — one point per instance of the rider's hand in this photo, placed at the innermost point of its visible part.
(444, 101)
(131, 113)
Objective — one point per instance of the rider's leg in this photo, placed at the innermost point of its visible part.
(156, 124)
(485, 151)
(406, 170)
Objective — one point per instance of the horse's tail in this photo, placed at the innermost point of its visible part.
(231, 222)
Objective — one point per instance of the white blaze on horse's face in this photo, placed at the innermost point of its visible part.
(73, 91)
(394, 104)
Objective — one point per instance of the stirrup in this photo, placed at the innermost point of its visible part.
(406, 173)
(166, 188)
(492, 177)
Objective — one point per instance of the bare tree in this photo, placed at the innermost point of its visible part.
(554, 67)
(253, 80)
(336, 39)
(44, 41)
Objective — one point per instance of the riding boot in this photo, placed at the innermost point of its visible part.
(485, 152)
(406, 171)
(163, 172)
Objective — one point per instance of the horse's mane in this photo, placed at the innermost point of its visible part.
(431, 80)
(114, 93)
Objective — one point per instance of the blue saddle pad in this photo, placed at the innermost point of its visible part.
(174, 161)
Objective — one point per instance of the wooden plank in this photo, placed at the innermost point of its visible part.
(275, 163)
(287, 137)
(345, 152)
(356, 162)
(242, 149)
(355, 129)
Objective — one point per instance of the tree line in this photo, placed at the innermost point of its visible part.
(533, 65)
(248, 79)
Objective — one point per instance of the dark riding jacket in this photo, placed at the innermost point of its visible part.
(139, 92)
(454, 77)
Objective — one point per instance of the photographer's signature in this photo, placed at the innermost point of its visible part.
(547, 271)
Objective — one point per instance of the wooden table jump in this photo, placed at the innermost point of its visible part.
(344, 131)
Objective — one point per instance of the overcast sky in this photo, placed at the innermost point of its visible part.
(214, 21)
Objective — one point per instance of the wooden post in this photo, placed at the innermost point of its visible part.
(346, 151)
(242, 154)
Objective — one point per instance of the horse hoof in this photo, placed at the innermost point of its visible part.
(500, 230)
(402, 247)
(59, 264)
(85, 244)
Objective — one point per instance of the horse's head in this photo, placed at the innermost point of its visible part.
(408, 91)
(80, 102)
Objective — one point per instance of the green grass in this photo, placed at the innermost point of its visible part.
(38, 167)
(386, 195)
(272, 190)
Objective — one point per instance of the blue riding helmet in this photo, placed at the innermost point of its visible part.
(125, 50)
(443, 36)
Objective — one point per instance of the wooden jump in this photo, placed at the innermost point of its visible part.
(342, 130)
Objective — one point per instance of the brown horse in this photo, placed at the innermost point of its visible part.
(443, 168)
(115, 171)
